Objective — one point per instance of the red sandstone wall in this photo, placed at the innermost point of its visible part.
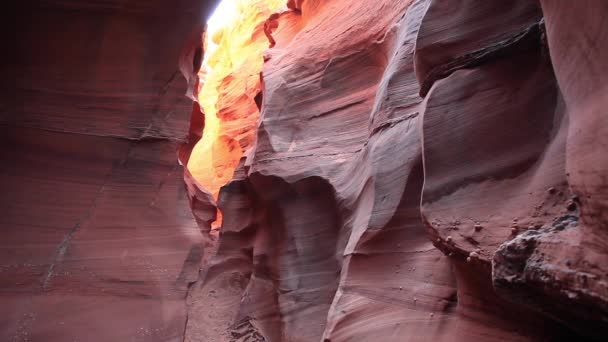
(429, 170)
(426, 170)
(97, 242)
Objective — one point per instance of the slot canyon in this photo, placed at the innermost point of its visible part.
(304, 170)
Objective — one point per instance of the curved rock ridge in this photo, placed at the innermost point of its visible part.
(418, 174)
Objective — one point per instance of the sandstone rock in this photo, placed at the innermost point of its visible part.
(324, 217)
(426, 170)
(98, 240)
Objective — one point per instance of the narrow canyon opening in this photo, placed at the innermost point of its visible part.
(229, 89)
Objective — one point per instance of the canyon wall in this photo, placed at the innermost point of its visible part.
(97, 241)
(422, 170)
(427, 170)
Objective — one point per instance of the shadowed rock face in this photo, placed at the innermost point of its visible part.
(426, 170)
(416, 177)
(97, 241)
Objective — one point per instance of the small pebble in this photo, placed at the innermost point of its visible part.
(514, 230)
(551, 190)
(448, 239)
(431, 314)
(478, 227)
(571, 206)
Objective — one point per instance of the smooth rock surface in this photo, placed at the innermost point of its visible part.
(98, 242)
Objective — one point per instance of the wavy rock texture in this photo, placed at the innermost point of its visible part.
(423, 171)
(230, 85)
(97, 241)
(565, 272)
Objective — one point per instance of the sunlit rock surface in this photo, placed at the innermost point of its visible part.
(230, 82)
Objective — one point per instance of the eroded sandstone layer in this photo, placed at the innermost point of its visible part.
(427, 170)
(97, 241)
(422, 170)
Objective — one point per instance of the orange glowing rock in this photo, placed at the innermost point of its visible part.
(230, 81)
